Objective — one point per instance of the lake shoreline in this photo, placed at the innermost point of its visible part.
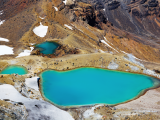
(156, 82)
(37, 64)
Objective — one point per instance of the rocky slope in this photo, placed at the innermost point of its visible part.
(141, 17)
(90, 21)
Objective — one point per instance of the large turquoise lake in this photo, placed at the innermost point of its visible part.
(47, 47)
(14, 70)
(89, 86)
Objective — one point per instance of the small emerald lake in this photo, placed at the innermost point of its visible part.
(47, 47)
(89, 86)
(14, 69)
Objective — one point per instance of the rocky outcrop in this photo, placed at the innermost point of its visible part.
(88, 14)
(124, 23)
(65, 50)
(140, 17)
(113, 5)
(35, 52)
(27, 91)
(11, 110)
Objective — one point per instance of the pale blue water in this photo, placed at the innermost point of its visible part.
(88, 86)
(14, 70)
(47, 47)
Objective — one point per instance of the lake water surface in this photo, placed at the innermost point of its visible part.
(14, 69)
(89, 86)
(47, 47)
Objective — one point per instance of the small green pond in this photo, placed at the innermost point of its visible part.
(14, 69)
(47, 47)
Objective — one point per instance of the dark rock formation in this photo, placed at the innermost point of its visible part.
(113, 5)
(140, 17)
(157, 71)
(65, 50)
(90, 14)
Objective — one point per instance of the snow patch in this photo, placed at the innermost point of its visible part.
(124, 52)
(81, 30)
(4, 50)
(107, 40)
(113, 65)
(32, 83)
(65, 2)
(9, 92)
(70, 27)
(132, 58)
(4, 39)
(1, 12)
(133, 67)
(37, 109)
(90, 113)
(103, 41)
(25, 53)
(1, 22)
(41, 30)
(42, 17)
(101, 51)
(32, 43)
(151, 72)
(56, 8)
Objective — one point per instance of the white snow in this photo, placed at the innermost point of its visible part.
(132, 58)
(4, 50)
(56, 8)
(112, 65)
(41, 30)
(107, 40)
(41, 110)
(9, 92)
(90, 113)
(1, 12)
(65, 2)
(25, 53)
(150, 72)
(133, 67)
(70, 27)
(37, 109)
(101, 51)
(1, 22)
(4, 39)
(124, 52)
(107, 18)
(42, 17)
(81, 30)
(32, 43)
(32, 83)
(103, 41)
